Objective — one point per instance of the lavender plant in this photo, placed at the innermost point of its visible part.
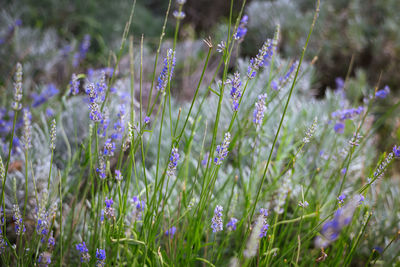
(257, 179)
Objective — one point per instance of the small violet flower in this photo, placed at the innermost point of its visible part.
(258, 113)
(118, 175)
(396, 151)
(109, 211)
(173, 162)
(109, 148)
(242, 30)
(19, 226)
(331, 229)
(235, 91)
(222, 150)
(231, 225)
(171, 232)
(216, 223)
(74, 85)
(341, 198)
(82, 248)
(167, 71)
(101, 258)
(18, 88)
(101, 170)
(383, 92)
(265, 225)
(138, 208)
(44, 258)
(303, 204)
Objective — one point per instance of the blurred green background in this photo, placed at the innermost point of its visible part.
(365, 29)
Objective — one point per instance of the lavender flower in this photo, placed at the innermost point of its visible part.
(109, 211)
(19, 225)
(341, 198)
(303, 204)
(258, 61)
(396, 151)
(217, 224)
(129, 138)
(95, 114)
(118, 175)
(53, 132)
(355, 141)
(359, 199)
(95, 97)
(3, 242)
(42, 223)
(258, 113)
(171, 232)
(167, 71)
(221, 47)
(173, 162)
(119, 126)
(242, 30)
(264, 224)
(101, 258)
(83, 49)
(235, 91)
(44, 258)
(339, 83)
(332, 228)
(380, 171)
(231, 225)
(289, 76)
(138, 209)
(2, 175)
(264, 230)
(18, 88)
(51, 242)
(346, 114)
(222, 150)
(74, 85)
(343, 115)
(49, 92)
(383, 92)
(264, 55)
(339, 127)
(104, 123)
(310, 131)
(109, 148)
(146, 120)
(49, 112)
(85, 256)
(102, 168)
(26, 138)
(179, 14)
(272, 44)
(205, 159)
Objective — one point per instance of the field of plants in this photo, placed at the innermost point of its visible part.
(146, 134)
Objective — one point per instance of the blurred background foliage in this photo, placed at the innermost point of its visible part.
(365, 29)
